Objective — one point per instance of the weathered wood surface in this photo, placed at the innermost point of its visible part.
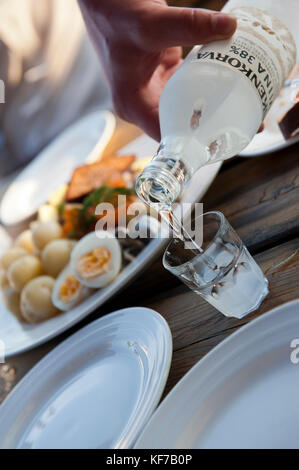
(260, 197)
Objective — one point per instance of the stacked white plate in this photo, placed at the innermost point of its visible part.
(95, 390)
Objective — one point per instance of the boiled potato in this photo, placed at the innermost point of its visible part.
(56, 255)
(12, 300)
(25, 241)
(36, 300)
(47, 213)
(12, 255)
(45, 232)
(3, 280)
(32, 226)
(23, 270)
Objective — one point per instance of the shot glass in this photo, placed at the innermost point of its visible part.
(221, 271)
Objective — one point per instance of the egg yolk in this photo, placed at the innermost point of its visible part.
(95, 263)
(69, 288)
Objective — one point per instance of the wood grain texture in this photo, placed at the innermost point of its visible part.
(260, 198)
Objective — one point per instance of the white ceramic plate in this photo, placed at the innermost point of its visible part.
(19, 338)
(243, 394)
(5, 240)
(271, 139)
(54, 166)
(95, 390)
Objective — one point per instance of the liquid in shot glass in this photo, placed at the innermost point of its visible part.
(222, 272)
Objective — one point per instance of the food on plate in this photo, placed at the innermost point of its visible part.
(79, 219)
(70, 220)
(68, 291)
(58, 196)
(11, 300)
(12, 255)
(36, 300)
(25, 241)
(56, 255)
(45, 232)
(60, 259)
(48, 213)
(89, 177)
(140, 164)
(96, 259)
(23, 270)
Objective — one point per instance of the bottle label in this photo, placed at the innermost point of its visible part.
(253, 52)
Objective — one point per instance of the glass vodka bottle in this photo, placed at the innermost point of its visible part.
(216, 101)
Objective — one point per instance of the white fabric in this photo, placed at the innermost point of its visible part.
(51, 74)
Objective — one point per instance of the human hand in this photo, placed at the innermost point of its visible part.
(139, 43)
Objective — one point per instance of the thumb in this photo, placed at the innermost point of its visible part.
(172, 26)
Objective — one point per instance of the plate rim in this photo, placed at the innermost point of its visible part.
(265, 317)
(82, 335)
(107, 133)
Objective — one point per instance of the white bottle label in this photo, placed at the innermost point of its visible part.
(256, 51)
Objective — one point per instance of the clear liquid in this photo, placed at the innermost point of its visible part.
(180, 232)
(236, 291)
(177, 227)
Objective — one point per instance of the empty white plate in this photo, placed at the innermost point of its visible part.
(95, 390)
(54, 166)
(243, 394)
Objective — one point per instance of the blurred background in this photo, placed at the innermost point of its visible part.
(51, 73)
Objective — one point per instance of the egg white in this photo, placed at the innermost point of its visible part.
(80, 295)
(91, 242)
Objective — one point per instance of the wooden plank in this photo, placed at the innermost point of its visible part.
(260, 197)
(184, 359)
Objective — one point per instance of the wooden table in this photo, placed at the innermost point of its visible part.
(260, 198)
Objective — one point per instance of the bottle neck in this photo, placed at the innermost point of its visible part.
(162, 181)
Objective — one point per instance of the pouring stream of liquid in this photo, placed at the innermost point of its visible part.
(180, 232)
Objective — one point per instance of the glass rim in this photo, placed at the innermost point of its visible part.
(198, 255)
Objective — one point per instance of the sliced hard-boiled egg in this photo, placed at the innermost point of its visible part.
(68, 291)
(96, 259)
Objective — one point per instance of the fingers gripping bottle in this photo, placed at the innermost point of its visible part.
(216, 101)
